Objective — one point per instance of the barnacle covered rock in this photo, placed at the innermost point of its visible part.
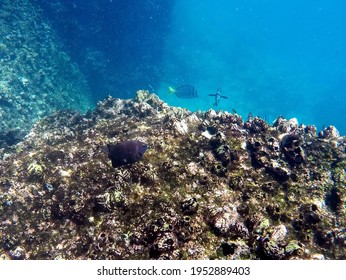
(225, 221)
(189, 206)
(108, 201)
(329, 132)
(286, 126)
(164, 242)
(291, 147)
(221, 148)
(273, 246)
(209, 187)
(235, 250)
(17, 254)
(35, 170)
(255, 125)
(294, 248)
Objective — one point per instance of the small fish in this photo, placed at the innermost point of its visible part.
(185, 92)
(125, 152)
(218, 96)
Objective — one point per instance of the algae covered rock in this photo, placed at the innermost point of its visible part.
(215, 187)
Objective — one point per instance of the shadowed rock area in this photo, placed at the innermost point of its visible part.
(37, 77)
(210, 186)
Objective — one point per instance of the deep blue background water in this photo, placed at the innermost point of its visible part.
(269, 57)
(118, 44)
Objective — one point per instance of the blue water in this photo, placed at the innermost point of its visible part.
(269, 57)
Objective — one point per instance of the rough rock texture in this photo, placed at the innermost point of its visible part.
(210, 186)
(36, 75)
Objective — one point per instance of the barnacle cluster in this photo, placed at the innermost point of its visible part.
(35, 169)
(210, 186)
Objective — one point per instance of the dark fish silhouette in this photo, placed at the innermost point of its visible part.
(125, 152)
(218, 96)
(185, 92)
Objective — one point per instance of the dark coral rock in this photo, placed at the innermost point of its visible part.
(235, 250)
(269, 187)
(286, 126)
(223, 153)
(274, 212)
(185, 229)
(254, 145)
(161, 235)
(309, 214)
(110, 200)
(225, 222)
(273, 251)
(6, 184)
(236, 183)
(189, 206)
(290, 145)
(217, 140)
(329, 132)
(9, 242)
(279, 173)
(259, 155)
(236, 119)
(221, 219)
(298, 225)
(274, 145)
(166, 241)
(11, 137)
(55, 156)
(334, 199)
(323, 238)
(57, 211)
(340, 237)
(272, 246)
(212, 130)
(310, 130)
(219, 169)
(17, 254)
(255, 125)
(227, 249)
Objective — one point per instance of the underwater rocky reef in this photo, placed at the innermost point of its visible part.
(37, 76)
(210, 186)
